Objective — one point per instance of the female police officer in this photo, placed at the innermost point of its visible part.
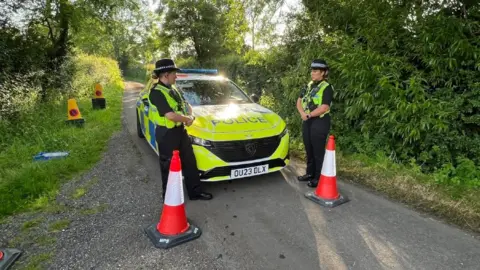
(171, 113)
(314, 107)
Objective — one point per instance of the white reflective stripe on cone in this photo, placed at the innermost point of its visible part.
(329, 166)
(174, 194)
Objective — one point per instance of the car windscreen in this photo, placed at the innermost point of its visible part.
(211, 92)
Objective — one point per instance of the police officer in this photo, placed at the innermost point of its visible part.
(314, 107)
(171, 114)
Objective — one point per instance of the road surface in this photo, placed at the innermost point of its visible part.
(266, 222)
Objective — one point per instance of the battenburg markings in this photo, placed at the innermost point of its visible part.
(151, 127)
(240, 120)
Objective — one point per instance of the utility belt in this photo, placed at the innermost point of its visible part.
(180, 126)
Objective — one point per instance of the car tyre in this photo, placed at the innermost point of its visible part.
(139, 128)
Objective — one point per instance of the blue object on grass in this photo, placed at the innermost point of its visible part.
(52, 155)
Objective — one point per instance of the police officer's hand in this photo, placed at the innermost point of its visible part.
(190, 121)
(304, 116)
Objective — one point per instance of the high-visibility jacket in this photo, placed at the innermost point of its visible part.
(176, 102)
(313, 97)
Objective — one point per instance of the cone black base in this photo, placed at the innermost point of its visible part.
(169, 241)
(76, 122)
(10, 255)
(99, 103)
(324, 202)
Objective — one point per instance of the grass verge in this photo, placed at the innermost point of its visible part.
(27, 184)
(407, 185)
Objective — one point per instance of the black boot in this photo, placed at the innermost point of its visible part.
(305, 177)
(164, 190)
(201, 196)
(197, 193)
(312, 183)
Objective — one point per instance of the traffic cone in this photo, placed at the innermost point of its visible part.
(98, 100)
(173, 228)
(8, 256)
(326, 193)
(73, 113)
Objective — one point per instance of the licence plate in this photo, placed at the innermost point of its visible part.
(250, 171)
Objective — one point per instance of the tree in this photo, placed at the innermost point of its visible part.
(259, 15)
(40, 45)
(213, 28)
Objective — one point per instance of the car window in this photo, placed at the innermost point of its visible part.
(211, 92)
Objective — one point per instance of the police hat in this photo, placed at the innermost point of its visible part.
(319, 64)
(165, 65)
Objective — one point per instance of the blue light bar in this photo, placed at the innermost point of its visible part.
(198, 71)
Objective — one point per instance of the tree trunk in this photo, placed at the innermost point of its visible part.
(58, 51)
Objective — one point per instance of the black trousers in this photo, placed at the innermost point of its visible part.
(169, 140)
(315, 132)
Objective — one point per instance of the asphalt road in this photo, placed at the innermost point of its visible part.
(266, 222)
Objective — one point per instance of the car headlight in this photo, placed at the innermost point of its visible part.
(200, 141)
(284, 132)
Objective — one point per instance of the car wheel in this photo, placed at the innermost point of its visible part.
(139, 128)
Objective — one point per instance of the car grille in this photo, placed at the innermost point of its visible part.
(237, 151)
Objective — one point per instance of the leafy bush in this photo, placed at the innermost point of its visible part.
(91, 70)
(464, 174)
(17, 94)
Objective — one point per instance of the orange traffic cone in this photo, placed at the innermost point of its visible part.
(98, 100)
(326, 193)
(73, 113)
(173, 228)
(8, 256)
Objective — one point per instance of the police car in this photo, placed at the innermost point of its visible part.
(232, 136)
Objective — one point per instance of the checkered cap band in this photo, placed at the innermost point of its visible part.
(165, 67)
(318, 65)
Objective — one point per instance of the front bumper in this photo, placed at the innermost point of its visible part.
(212, 168)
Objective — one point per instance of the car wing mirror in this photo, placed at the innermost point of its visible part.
(255, 98)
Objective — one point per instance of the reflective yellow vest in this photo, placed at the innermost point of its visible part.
(179, 106)
(313, 97)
